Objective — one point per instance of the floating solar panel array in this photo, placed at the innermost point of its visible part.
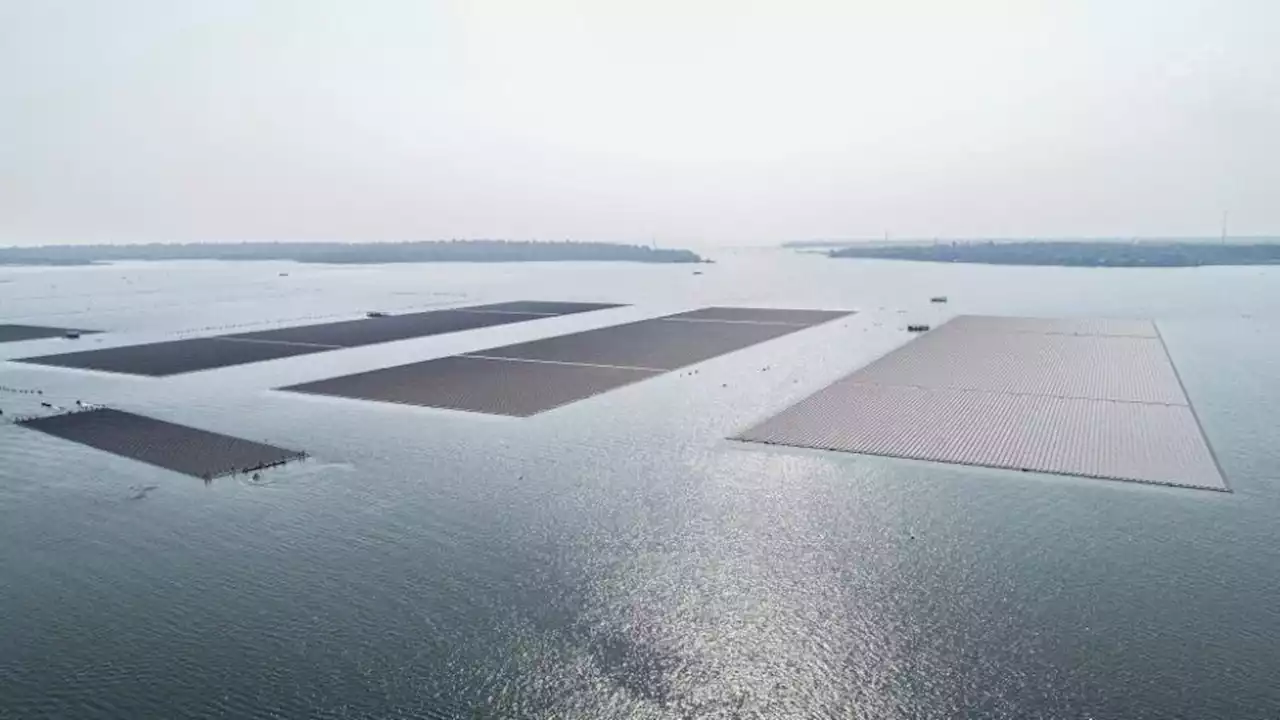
(183, 449)
(532, 377)
(1097, 398)
(16, 333)
(183, 356)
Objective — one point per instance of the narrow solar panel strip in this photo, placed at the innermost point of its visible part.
(542, 307)
(174, 357)
(17, 333)
(532, 377)
(1098, 399)
(372, 331)
(180, 448)
(761, 315)
(192, 355)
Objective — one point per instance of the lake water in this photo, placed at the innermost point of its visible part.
(618, 557)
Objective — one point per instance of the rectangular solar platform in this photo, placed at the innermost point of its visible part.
(193, 355)
(173, 357)
(16, 333)
(651, 344)
(180, 448)
(1102, 400)
(532, 377)
(495, 387)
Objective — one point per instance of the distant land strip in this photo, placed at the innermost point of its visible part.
(1072, 253)
(350, 253)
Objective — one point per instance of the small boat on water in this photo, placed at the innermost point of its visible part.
(917, 328)
(72, 335)
(376, 314)
(938, 299)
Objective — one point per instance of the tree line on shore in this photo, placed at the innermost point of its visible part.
(335, 252)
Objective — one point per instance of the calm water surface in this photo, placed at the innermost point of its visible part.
(618, 558)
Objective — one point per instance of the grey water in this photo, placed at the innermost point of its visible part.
(618, 557)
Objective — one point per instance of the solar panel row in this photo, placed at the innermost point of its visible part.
(192, 355)
(529, 378)
(1095, 398)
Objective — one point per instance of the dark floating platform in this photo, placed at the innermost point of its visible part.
(180, 448)
(660, 344)
(761, 315)
(528, 378)
(1093, 398)
(492, 386)
(17, 333)
(175, 357)
(388, 328)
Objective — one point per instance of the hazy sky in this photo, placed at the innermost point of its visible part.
(682, 120)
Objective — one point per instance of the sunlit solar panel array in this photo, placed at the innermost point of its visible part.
(1094, 398)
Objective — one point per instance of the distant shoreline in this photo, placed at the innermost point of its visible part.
(347, 253)
(1071, 254)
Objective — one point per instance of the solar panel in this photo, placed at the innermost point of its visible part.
(183, 356)
(1116, 440)
(654, 344)
(1058, 326)
(371, 331)
(496, 387)
(762, 315)
(531, 377)
(542, 307)
(173, 357)
(1102, 400)
(1088, 366)
(17, 333)
(183, 449)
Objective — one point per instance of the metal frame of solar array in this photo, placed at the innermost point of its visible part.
(176, 357)
(1095, 398)
(528, 378)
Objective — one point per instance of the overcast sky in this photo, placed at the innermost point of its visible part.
(681, 120)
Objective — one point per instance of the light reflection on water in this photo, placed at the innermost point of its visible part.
(619, 557)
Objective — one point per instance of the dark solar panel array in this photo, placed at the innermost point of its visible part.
(496, 387)
(16, 333)
(173, 357)
(371, 331)
(761, 315)
(532, 377)
(653, 344)
(1092, 398)
(183, 449)
(195, 354)
(543, 307)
